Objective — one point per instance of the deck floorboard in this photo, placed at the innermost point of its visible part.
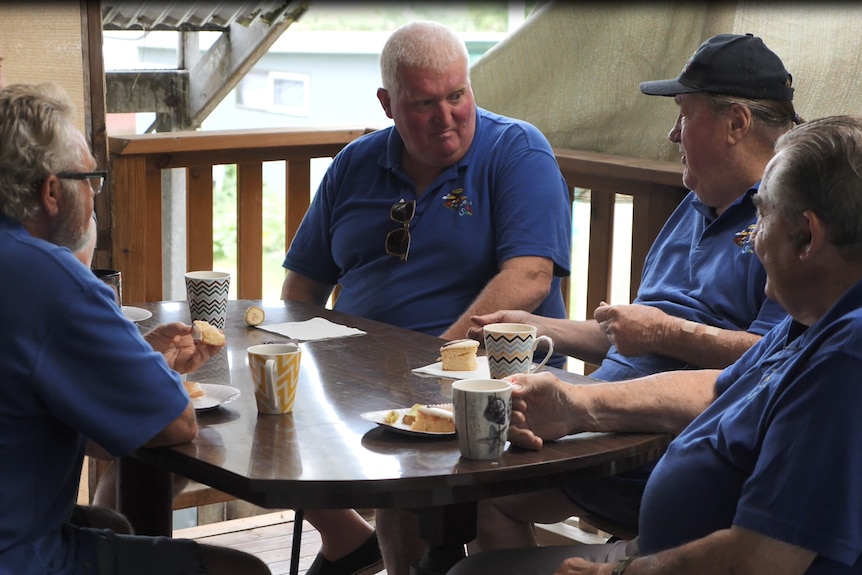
(270, 537)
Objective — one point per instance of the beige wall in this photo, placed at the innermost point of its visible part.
(41, 42)
(573, 69)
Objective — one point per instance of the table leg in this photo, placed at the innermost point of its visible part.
(445, 530)
(144, 497)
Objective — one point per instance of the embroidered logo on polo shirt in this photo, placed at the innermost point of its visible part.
(743, 239)
(458, 201)
(764, 381)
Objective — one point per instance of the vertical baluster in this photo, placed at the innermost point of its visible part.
(199, 218)
(298, 195)
(249, 234)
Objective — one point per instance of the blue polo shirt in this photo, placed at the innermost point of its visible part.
(778, 451)
(701, 267)
(505, 198)
(71, 367)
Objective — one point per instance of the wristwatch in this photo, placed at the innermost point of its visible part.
(623, 565)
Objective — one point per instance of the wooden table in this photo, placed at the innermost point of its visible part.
(324, 455)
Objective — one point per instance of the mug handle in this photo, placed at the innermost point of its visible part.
(547, 355)
(269, 373)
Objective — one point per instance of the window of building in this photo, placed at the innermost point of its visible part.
(275, 92)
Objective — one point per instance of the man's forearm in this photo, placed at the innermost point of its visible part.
(665, 402)
(581, 339)
(703, 345)
(511, 288)
(735, 550)
(182, 430)
(297, 287)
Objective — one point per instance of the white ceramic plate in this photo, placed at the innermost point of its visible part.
(214, 396)
(136, 313)
(481, 371)
(379, 417)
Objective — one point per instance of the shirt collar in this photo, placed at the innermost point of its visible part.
(709, 213)
(849, 302)
(390, 159)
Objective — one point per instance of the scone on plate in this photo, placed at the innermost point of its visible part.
(194, 389)
(410, 417)
(435, 419)
(459, 355)
(205, 332)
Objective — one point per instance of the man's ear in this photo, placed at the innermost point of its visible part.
(811, 236)
(385, 101)
(49, 194)
(739, 117)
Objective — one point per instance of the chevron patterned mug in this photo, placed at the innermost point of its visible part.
(510, 348)
(207, 295)
(275, 372)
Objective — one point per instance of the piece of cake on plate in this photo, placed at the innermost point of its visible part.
(459, 355)
(438, 419)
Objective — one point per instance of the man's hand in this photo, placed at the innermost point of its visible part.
(734, 550)
(183, 354)
(635, 329)
(542, 409)
(578, 566)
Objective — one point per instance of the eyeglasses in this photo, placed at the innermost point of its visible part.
(96, 179)
(398, 240)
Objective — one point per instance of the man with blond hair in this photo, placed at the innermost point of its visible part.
(452, 212)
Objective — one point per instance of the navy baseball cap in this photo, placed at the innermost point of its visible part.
(731, 64)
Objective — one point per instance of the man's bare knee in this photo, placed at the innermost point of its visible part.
(400, 544)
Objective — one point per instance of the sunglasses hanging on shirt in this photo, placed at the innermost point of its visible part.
(398, 240)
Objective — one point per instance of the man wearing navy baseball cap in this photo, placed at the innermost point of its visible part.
(701, 303)
(762, 475)
(735, 64)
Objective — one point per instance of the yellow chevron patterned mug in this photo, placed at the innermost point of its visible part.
(275, 372)
(510, 348)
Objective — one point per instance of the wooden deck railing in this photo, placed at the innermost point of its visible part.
(136, 216)
(656, 189)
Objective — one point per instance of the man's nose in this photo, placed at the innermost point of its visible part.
(673, 135)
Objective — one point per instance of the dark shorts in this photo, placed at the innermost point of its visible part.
(616, 498)
(116, 554)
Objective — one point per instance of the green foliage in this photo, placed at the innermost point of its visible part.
(225, 231)
(224, 216)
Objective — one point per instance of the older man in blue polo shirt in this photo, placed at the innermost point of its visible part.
(453, 212)
(701, 301)
(763, 476)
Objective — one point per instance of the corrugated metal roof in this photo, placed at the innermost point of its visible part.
(192, 16)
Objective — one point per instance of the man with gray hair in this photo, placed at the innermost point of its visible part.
(75, 375)
(452, 212)
(701, 300)
(764, 472)
(479, 207)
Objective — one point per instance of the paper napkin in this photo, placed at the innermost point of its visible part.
(310, 330)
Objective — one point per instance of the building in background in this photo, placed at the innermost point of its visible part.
(307, 79)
